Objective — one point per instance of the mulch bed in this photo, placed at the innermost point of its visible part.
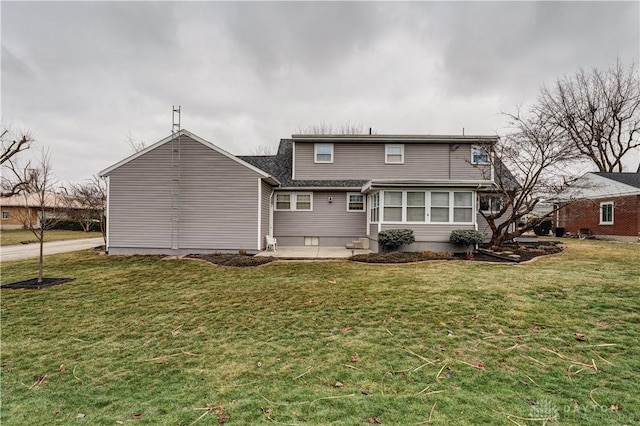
(33, 283)
(510, 253)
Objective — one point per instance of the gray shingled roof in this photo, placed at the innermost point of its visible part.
(279, 166)
(628, 178)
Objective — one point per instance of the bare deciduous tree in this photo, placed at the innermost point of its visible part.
(323, 128)
(264, 149)
(87, 204)
(40, 192)
(14, 180)
(136, 145)
(599, 111)
(529, 165)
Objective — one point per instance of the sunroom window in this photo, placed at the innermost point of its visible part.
(462, 207)
(439, 207)
(415, 206)
(393, 206)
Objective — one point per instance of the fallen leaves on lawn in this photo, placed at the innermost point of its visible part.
(580, 337)
(374, 420)
(136, 415)
(346, 328)
(338, 385)
(615, 407)
(355, 358)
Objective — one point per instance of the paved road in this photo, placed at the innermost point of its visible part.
(25, 251)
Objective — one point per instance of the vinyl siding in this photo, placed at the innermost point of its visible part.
(483, 226)
(326, 219)
(264, 214)
(366, 161)
(218, 201)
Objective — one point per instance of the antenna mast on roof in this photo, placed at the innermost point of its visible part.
(175, 178)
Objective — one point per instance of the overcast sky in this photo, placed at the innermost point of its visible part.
(83, 75)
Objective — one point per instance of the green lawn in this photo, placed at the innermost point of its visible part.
(19, 236)
(149, 341)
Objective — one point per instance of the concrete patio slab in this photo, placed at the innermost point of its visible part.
(312, 252)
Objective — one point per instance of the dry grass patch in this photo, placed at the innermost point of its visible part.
(21, 236)
(178, 342)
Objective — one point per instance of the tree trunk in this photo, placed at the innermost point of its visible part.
(41, 261)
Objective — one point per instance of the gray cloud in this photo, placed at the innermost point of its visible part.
(84, 74)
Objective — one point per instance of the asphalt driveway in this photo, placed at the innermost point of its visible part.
(26, 251)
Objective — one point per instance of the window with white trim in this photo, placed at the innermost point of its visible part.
(490, 203)
(479, 155)
(462, 207)
(323, 153)
(439, 207)
(606, 213)
(416, 206)
(283, 201)
(355, 202)
(392, 206)
(296, 201)
(394, 154)
(5, 215)
(375, 207)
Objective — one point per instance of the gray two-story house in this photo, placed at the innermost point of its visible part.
(186, 195)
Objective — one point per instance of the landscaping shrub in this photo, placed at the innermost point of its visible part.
(393, 239)
(467, 238)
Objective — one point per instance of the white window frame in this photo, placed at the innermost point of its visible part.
(315, 153)
(364, 207)
(601, 211)
(406, 207)
(386, 153)
(473, 155)
(374, 214)
(402, 206)
(293, 202)
(428, 204)
(490, 197)
(5, 215)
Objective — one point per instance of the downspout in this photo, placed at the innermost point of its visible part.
(108, 221)
(475, 208)
(271, 212)
(259, 246)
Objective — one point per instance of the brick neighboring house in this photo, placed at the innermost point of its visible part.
(605, 204)
(20, 211)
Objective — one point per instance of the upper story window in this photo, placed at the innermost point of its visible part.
(323, 153)
(606, 213)
(394, 154)
(479, 155)
(301, 201)
(5, 215)
(355, 202)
